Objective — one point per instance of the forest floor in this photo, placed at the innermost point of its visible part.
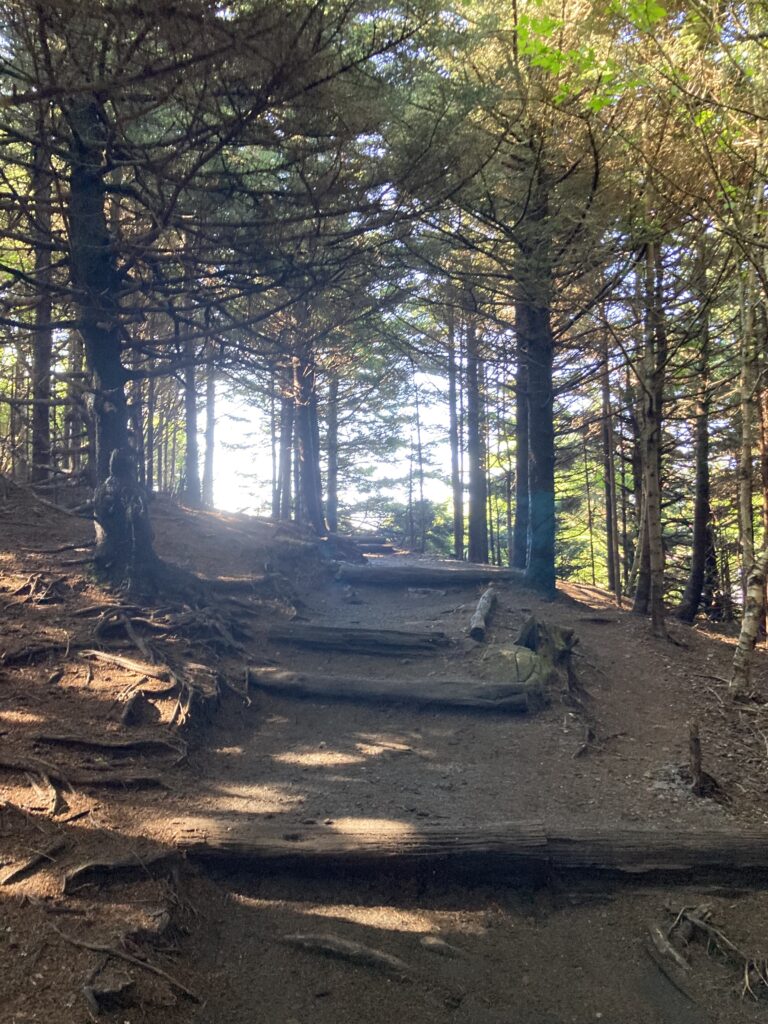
(110, 901)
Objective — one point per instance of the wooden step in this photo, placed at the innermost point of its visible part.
(421, 575)
(472, 694)
(505, 845)
(358, 640)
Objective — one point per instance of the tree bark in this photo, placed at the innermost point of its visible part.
(609, 482)
(651, 393)
(210, 436)
(457, 487)
(42, 338)
(522, 500)
(193, 492)
(701, 541)
(478, 490)
(747, 402)
(332, 452)
(305, 399)
(541, 467)
(96, 280)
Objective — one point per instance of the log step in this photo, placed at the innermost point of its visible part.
(511, 845)
(358, 641)
(472, 694)
(459, 574)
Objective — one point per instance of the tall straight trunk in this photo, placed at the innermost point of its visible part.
(747, 404)
(42, 337)
(590, 518)
(151, 437)
(522, 502)
(701, 541)
(332, 454)
(457, 487)
(286, 450)
(75, 425)
(539, 345)
(307, 436)
(478, 494)
(193, 491)
(274, 443)
(609, 481)
(136, 422)
(210, 436)
(422, 538)
(96, 281)
(652, 389)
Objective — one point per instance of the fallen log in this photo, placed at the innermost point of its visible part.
(472, 694)
(512, 845)
(358, 641)
(479, 622)
(424, 575)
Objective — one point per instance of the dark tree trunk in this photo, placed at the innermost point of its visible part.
(478, 490)
(522, 502)
(96, 281)
(42, 339)
(537, 332)
(124, 538)
(286, 450)
(151, 436)
(308, 447)
(609, 483)
(332, 449)
(701, 542)
(193, 492)
(210, 436)
(457, 488)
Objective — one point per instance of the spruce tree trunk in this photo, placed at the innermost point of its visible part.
(307, 437)
(652, 387)
(210, 436)
(478, 493)
(457, 487)
(193, 491)
(522, 502)
(286, 452)
(151, 435)
(42, 338)
(609, 483)
(701, 541)
(96, 281)
(123, 535)
(539, 346)
(332, 453)
(747, 401)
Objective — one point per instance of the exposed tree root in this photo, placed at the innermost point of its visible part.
(352, 952)
(44, 856)
(116, 745)
(120, 868)
(119, 954)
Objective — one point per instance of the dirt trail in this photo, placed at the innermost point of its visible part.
(561, 952)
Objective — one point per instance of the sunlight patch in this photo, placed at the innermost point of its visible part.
(20, 717)
(319, 758)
